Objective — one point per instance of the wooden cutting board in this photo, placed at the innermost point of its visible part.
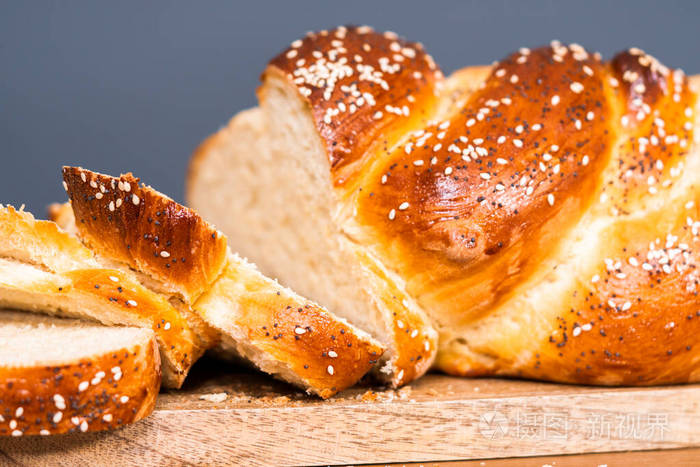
(226, 415)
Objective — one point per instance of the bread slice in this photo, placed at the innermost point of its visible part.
(278, 186)
(65, 375)
(186, 258)
(44, 269)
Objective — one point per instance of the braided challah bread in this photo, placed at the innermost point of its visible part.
(540, 214)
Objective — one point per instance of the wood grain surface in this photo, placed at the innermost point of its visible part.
(225, 415)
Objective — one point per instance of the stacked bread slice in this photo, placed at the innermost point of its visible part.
(60, 375)
(138, 263)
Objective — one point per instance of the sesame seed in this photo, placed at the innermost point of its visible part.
(332, 354)
(65, 185)
(501, 139)
(403, 206)
(44, 432)
(550, 199)
(514, 79)
(131, 303)
(518, 143)
(448, 170)
(536, 127)
(113, 279)
(392, 214)
(82, 177)
(165, 254)
(595, 278)
(585, 160)
(124, 399)
(84, 426)
(16, 433)
(57, 416)
(135, 199)
(377, 115)
(19, 412)
(485, 175)
(414, 333)
(576, 332)
(330, 370)
(83, 386)
(576, 87)
(111, 205)
(59, 401)
(555, 100)
(107, 417)
(400, 375)
(13, 424)
(299, 330)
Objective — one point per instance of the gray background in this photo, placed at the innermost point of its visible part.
(134, 86)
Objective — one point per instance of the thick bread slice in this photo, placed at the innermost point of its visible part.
(278, 331)
(286, 212)
(125, 221)
(61, 376)
(283, 334)
(44, 269)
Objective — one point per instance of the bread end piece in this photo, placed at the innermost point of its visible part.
(147, 230)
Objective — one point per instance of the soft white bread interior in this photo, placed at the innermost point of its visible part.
(542, 212)
(264, 179)
(64, 375)
(184, 257)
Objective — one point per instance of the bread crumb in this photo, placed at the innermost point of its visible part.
(404, 392)
(369, 396)
(218, 397)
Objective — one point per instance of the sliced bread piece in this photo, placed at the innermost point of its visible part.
(282, 180)
(64, 375)
(44, 269)
(275, 329)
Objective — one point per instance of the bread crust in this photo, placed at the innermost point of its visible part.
(138, 226)
(43, 400)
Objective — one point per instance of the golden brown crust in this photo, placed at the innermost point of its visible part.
(508, 171)
(327, 354)
(413, 339)
(147, 230)
(360, 85)
(45, 400)
(74, 280)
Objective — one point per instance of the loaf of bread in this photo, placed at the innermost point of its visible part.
(63, 375)
(186, 260)
(540, 215)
